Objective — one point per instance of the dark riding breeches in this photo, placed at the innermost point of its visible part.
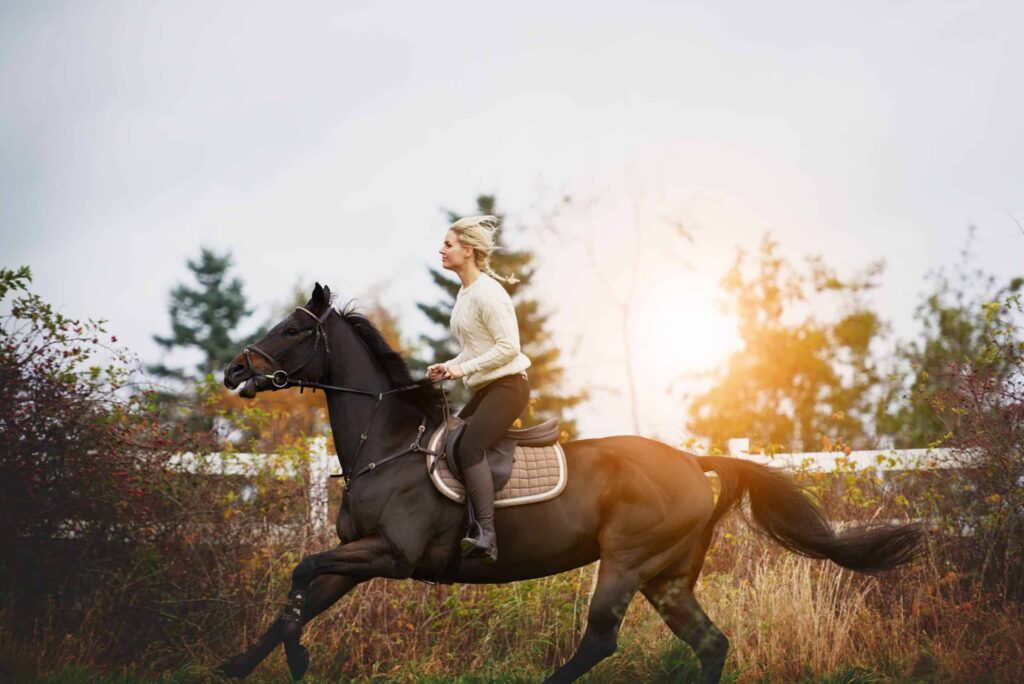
(493, 409)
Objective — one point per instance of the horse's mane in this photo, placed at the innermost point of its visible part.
(427, 397)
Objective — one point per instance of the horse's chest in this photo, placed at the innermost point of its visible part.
(360, 515)
(346, 527)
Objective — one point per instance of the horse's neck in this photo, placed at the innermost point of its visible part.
(383, 422)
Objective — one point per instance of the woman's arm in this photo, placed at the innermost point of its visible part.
(457, 360)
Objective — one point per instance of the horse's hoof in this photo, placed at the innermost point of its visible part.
(236, 668)
(298, 660)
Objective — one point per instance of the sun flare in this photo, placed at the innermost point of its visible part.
(679, 328)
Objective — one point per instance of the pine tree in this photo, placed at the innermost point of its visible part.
(205, 317)
(535, 339)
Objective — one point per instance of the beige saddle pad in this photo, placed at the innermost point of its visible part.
(538, 474)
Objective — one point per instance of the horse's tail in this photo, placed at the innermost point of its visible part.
(782, 511)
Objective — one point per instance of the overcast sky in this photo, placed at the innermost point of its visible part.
(318, 141)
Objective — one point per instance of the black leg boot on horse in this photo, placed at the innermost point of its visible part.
(481, 540)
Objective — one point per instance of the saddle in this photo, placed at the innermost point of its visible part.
(527, 465)
(500, 455)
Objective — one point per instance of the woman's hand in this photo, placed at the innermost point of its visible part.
(439, 371)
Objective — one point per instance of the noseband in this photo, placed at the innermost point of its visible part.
(280, 377)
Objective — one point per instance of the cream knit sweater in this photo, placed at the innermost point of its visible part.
(484, 322)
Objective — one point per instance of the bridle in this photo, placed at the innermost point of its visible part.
(281, 379)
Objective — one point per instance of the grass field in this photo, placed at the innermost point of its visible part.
(789, 619)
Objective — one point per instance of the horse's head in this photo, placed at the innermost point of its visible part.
(294, 349)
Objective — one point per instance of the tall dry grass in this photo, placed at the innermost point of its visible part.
(792, 619)
(790, 616)
(788, 619)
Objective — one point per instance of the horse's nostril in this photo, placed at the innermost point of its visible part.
(234, 369)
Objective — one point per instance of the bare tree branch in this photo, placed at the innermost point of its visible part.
(1015, 220)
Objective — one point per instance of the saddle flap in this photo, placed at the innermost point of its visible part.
(500, 458)
(455, 427)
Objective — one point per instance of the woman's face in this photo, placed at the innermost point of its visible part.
(453, 253)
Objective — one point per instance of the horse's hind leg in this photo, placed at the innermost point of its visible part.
(671, 594)
(615, 589)
(324, 592)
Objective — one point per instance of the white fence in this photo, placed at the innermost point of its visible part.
(322, 464)
(877, 459)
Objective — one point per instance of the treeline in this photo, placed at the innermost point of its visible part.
(818, 369)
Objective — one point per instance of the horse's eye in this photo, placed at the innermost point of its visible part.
(291, 332)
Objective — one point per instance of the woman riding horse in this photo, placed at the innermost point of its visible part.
(490, 363)
(642, 507)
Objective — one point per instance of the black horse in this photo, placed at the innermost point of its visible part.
(645, 509)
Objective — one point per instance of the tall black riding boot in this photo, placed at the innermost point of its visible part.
(480, 488)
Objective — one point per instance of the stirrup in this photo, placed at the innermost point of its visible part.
(474, 546)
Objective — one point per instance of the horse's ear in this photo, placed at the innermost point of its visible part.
(318, 296)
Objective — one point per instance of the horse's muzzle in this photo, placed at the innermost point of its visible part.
(240, 375)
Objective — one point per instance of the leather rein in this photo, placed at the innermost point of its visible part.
(281, 379)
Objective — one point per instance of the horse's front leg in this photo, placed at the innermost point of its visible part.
(363, 559)
(355, 562)
(324, 592)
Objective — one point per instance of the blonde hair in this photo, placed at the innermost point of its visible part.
(478, 232)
